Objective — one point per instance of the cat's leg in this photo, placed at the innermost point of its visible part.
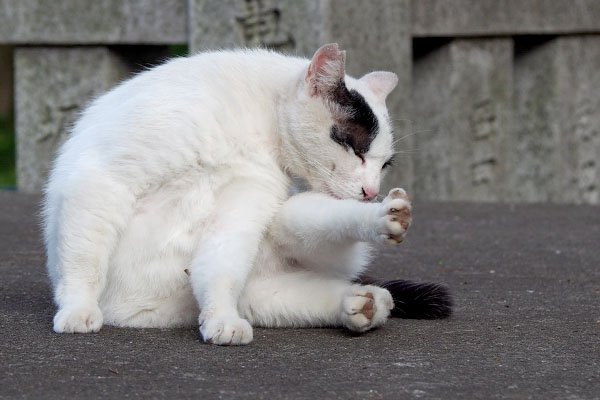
(308, 299)
(329, 233)
(226, 255)
(82, 225)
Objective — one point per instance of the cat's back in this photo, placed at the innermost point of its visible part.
(208, 76)
(190, 90)
(163, 115)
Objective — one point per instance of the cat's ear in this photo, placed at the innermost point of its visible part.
(381, 83)
(326, 70)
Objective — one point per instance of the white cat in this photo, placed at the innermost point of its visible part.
(169, 202)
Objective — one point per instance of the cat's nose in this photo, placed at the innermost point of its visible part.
(368, 193)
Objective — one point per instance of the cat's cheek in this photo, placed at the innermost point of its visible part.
(325, 188)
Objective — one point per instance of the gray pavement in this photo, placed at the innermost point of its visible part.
(526, 323)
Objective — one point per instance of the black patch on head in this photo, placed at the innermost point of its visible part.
(358, 126)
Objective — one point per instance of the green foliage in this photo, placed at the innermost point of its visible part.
(8, 177)
(178, 50)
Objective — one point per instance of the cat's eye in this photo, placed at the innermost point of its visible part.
(388, 163)
(356, 153)
(337, 137)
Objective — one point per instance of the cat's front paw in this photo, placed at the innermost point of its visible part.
(226, 331)
(395, 216)
(365, 307)
(78, 320)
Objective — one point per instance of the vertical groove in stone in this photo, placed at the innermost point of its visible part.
(578, 97)
(535, 154)
(462, 92)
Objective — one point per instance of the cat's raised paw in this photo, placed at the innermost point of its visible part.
(226, 331)
(78, 320)
(365, 307)
(395, 216)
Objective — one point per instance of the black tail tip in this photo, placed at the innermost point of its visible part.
(419, 300)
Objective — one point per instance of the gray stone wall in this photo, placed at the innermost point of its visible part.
(52, 85)
(92, 22)
(452, 18)
(497, 99)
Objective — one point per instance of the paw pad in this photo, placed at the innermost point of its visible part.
(368, 309)
(397, 215)
(365, 307)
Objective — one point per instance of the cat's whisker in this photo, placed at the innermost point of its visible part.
(326, 175)
(402, 120)
(319, 168)
(405, 156)
(409, 135)
(407, 151)
(323, 172)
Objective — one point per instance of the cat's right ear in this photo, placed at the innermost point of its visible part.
(326, 70)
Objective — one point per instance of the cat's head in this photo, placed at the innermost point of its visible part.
(339, 132)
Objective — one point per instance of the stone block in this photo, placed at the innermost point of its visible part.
(447, 18)
(462, 92)
(283, 25)
(556, 143)
(91, 22)
(52, 85)
(375, 34)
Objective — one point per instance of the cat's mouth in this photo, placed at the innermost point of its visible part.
(328, 191)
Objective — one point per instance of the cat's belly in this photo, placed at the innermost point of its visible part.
(147, 282)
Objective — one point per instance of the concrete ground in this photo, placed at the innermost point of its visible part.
(526, 324)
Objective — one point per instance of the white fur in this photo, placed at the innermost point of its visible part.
(169, 203)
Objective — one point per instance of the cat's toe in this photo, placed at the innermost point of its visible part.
(365, 307)
(399, 193)
(226, 331)
(394, 225)
(78, 320)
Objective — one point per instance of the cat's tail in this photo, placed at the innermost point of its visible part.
(415, 300)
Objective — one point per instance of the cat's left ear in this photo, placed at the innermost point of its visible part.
(381, 83)
(326, 70)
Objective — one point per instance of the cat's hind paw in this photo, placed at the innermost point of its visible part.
(78, 320)
(395, 216)
(365, 307)
(226, 331)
